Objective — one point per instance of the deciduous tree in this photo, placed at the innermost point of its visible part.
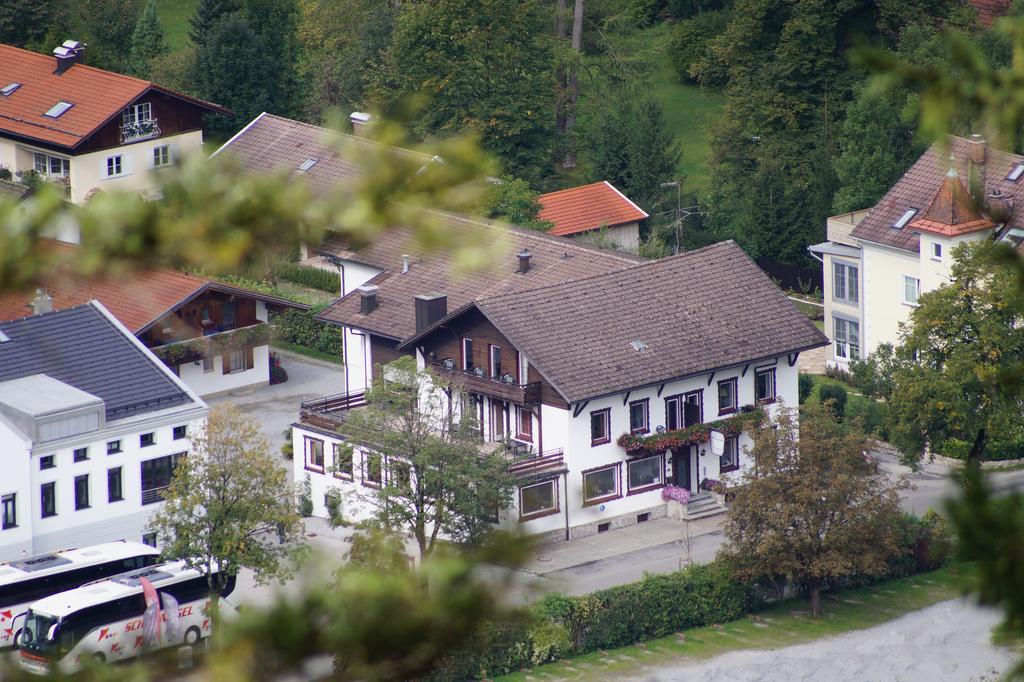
(229, 505)
(812, 509)
(435, 480)
(511, 199)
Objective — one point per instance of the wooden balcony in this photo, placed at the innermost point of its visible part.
(545, 463)
(478, 382)
(330, 411)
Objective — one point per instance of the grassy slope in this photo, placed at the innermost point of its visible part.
(174, 15)
(782, 626)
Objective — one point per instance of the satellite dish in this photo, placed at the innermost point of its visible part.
(717, 443)
(479, 371)
(448, 363)
(508, 379)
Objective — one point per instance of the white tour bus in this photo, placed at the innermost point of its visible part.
(104, 620)
(25, 581)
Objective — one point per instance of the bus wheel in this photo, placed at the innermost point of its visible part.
(192, 635)
(99, 657)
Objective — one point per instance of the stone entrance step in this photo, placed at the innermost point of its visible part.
(702, 506)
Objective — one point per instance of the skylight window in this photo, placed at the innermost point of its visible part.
(638, 345)
(1015, 172)
(307, 164)
(58, 109)
(905, 218)
(8, 90)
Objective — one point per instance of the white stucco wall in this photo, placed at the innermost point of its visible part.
(103, 521)
(216, 382)
(843, 308)
(884, 309)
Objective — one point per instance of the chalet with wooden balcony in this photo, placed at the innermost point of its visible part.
(87, 129)
(603, 387)
(214, 336)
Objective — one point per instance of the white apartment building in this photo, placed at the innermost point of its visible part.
(877, 261)
(91, 425)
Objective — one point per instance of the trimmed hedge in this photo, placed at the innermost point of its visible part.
(307, 276)
(560, 627)
(301, 327)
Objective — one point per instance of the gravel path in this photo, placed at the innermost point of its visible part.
(950, 641)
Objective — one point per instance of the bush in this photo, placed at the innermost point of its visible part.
(278, 374)
(287, 449)
(839, 375)
(332, 498)
(806, 387)
(995, 450)
(874, 414)
(307, 276)
(301, 327)
(873, 375)
(926, 544)
(5, 173)
(304, 498)
(837, 394)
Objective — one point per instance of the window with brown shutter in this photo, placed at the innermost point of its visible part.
(225, 361)
(250, 361)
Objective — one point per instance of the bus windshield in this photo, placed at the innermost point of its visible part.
(36, 634)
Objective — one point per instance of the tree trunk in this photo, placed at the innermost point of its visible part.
(561, 34)
(816, 599)
(573, 88)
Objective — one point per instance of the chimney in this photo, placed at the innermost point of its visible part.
(68, 54)
(360, 121)
(976, 152)
(42, 303)
(405, 263)
(368, 298)
(524, 260)
(429, 309)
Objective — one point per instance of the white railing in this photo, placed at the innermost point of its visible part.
(140, 130)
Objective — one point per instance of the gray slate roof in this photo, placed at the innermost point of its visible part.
(699, 311)
(918, 186)
(82, 347)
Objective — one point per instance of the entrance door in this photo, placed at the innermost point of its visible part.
(681, 468)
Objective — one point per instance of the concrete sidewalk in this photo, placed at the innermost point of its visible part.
(562, 555)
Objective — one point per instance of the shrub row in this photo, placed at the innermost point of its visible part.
(559, 627)
(314, 278)
(301, 327)
(995, 450)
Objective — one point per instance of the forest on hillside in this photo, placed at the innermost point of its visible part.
(754, 107)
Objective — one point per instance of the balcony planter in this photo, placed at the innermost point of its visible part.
(676, 499)
(194, 350)
(658, 443)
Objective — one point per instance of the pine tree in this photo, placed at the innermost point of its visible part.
(207, 13)
(147, 41)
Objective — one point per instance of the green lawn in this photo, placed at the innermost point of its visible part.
(308, 352)
(781, 626)
(174, 15)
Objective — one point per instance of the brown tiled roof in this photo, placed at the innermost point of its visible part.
(552, 260)
(699, 311)
(97, 96)
(588, 207)
(136, 299)
(990, 10)
(272, 143)
(953, 211)
(918, 186)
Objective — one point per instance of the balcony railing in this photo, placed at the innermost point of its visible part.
(330, 411)
(153, 495)
(140, 130)
(477, 381)
(548, 462)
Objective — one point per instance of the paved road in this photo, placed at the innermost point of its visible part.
(950, 641)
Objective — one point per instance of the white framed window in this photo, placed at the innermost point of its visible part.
(645, 474)
(847, 338)
(236, 361)
(115, 165)
(162, 156)
(207, 364)
(845, 282)
(495, 352)
(524, 370)
(314, 454)
(137, 113)
(730, 458)
(51, 166)
(467, 354)
(8, 511)
(601, 484)
(936, 251)
(911, 289)
(764, 385)
(538, 499)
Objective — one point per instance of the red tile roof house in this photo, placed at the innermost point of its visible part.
(89, 129)
(214, 336)
(593, 209)
(558, 350)
(878, 260)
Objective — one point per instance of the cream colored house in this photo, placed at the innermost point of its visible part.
(89, 130)
(878, 261)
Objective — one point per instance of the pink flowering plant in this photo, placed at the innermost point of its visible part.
(671, 492)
